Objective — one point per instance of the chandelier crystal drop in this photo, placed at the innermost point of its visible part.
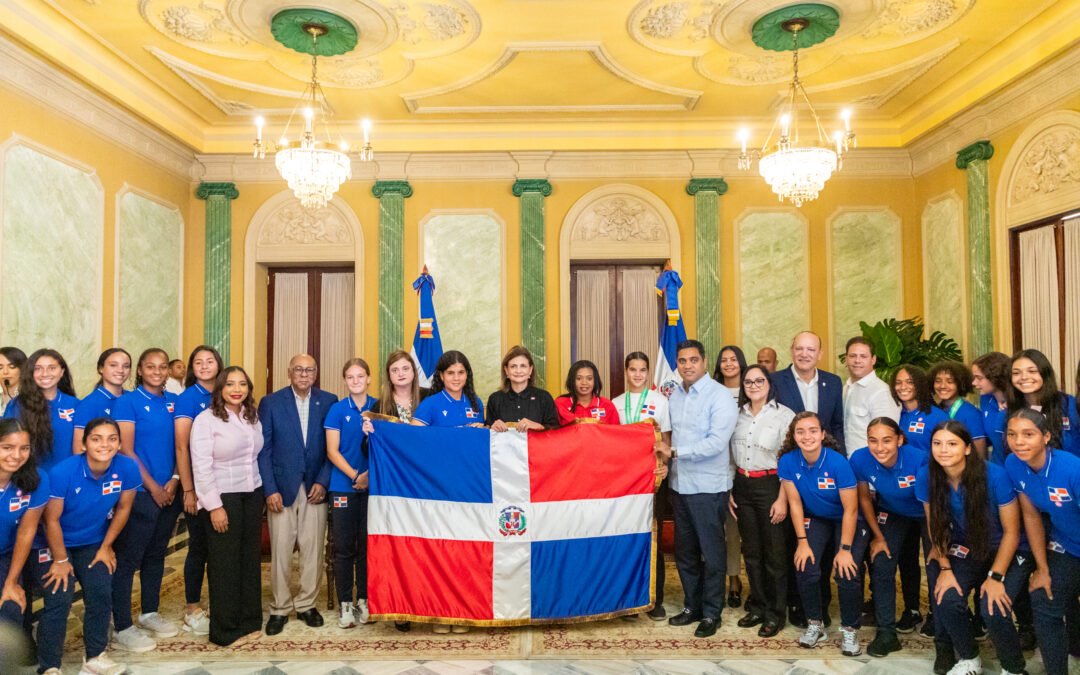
(313, 168)
(796, 171)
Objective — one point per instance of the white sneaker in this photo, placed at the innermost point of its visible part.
(102, 665)
(53, 671)
(850, 643)
(967, 667)
(131, 639)
(440, 628)
(158, 626)
(361, 611)
(346, 619)
(198, 623)
(815, 633)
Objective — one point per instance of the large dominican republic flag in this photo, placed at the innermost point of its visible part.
(474, 527)
(672, 332)
(426, 344)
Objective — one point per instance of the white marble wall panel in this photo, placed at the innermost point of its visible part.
(944, 273)
(773, 280)
(50, 261)
(464, 253)
(866, 270)
(149, 237)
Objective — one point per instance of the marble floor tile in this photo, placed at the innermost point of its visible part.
(687, 667)
(309, 667)
(755, 666)
(832, 665)
(378, 667)
(165, 668)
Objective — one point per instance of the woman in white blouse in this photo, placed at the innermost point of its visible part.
(225, 442)
(757, 501)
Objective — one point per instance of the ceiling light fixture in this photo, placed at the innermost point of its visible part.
(797, 170)
(314, 167)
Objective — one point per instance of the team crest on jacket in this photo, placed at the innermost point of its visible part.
(1059, 495)
(905, 481)
(66, 414)
(824, 483)
(916, 427)
(511, 521)
(18, 502)
(169, 406)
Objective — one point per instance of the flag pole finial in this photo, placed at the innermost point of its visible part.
(667, 265)
(425, 269)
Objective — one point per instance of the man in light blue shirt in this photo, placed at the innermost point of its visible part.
(703, 416)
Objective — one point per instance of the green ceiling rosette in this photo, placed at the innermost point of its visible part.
(768, 32)
(288, 29)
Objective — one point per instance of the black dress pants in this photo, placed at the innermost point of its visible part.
(701, 551)
(233, 568)
(764, 547)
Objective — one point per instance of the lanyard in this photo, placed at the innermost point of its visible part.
(636, 416)
(955, 407)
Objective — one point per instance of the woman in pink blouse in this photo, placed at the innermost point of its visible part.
(225, 442)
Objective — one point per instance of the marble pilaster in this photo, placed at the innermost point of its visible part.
(973, 159)
(706, 193)
(218, 257)
(533, 336)
(391, 195)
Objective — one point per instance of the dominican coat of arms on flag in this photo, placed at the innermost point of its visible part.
(469, 526)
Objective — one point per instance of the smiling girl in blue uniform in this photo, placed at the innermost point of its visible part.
(1048, 482)
(147, 434)
(114, 368)
(824, 509)
(46, 407)
(24, 491)
(346, 450)
(911, 388)
(952, 382)
(1034, 385)
(973, 519)
(203, 367)
(886, 471)
(91, 497)
(990, 375)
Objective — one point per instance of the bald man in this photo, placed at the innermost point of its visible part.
(295, 473)
(766, 356)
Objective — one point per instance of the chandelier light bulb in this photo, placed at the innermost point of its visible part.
(785, 122)
(743, 136)
(845, 115)
(366, 125)
(259, 122)
(308, 115)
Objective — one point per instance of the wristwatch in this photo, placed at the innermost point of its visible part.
(996, 576)
(674, 453)
(845, 547)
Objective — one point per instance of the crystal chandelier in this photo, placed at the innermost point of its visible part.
(797, 172)
(313, 168)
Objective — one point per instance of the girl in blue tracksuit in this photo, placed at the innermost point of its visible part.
(46, 407)
(1034, 385)
(114, 369)
(991, 375)
(24, 491)
(952, 382)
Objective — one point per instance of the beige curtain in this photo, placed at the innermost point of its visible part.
(1039, 292)
(290, 322)
(1072, 304)
(641, 331)
(594, 320)
(336, 332)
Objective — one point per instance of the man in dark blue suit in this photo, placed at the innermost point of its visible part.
(802, 386)
(295, 473)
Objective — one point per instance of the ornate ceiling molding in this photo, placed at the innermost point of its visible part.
(62, 94)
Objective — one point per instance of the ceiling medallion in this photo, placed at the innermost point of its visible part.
(797, 170)
(313, 168)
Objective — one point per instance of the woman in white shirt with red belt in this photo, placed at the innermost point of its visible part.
(225, 442)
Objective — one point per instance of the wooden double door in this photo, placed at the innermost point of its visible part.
(614, 310)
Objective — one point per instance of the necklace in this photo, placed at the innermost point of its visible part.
(634, 415)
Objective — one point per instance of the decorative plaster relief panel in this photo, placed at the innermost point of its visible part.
(50, 272)
(866, 269)
(773, 279)
(944, 274)
(149, 244)
(464, 252)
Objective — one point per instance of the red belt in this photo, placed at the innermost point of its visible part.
(756, 474)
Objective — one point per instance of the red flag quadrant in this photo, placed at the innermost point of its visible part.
(475, 527)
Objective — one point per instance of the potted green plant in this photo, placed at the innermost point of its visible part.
(899, 341)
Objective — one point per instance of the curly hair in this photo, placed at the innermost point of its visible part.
(34, 410)
(789, 443)
(26, 476)
(924, 391)
(1051, 399)
(976, 492)
(445, 361)
(217, 398)
(997, 368)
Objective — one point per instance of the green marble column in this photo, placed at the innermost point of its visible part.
(706, 193)
(533, 336)
(981, 320)
(391, 194)
(218, 261)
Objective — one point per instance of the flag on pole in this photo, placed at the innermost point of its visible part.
(672, 332)
(473, 527)
(426, 345)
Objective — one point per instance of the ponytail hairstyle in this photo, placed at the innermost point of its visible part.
(789, 443)
(891, 424)
(387, 405)
(145, 355)
(26, 476)
(189, 376)
(1050, 398)
(1036, 418)
(921, 382)
(356, 362)
(99, 422)
(997, 368)
(34, 410)
(638, 356)
(571, 389)
(976, 491)
(248, 413)
(105, 357)
(445, 361)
